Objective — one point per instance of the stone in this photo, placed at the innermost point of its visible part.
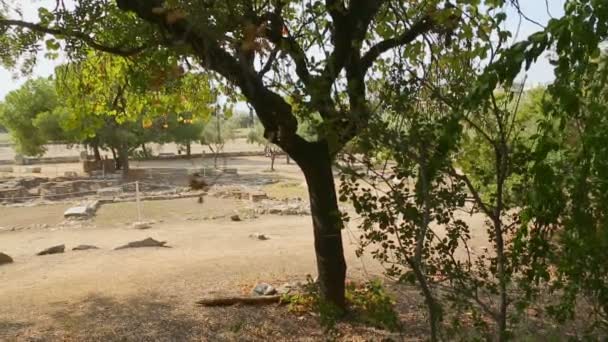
(259, 236)
(148, 242)
(109, 192)
(141, 225)
(231, 171)
(79, 211)
(6, 169)
(14, 194)
(70, 174)
(263, 289)
(5, 259)
(33, 169)
(84, 247)
(257, 196)
(235, 218)
(53, 250)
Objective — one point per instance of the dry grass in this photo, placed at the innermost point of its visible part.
(150, 317)
(284, 190)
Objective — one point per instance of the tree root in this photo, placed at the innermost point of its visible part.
(227, 301)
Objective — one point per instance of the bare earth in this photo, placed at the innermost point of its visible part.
(148, 294)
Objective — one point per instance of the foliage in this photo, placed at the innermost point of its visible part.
(563, 214)
(372, 304)
(36, 98)
(369, 304)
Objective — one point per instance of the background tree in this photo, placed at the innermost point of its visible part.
(20, 113)
(216, 132)
(256, 136)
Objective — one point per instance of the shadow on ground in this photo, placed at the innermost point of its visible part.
(146, 318)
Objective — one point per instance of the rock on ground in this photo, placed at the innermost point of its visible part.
(263, 289)
(53, 250)
(235, 218)
(84, 247)
(141, 225)
(149, 242)
(259, 236)
(5, 259)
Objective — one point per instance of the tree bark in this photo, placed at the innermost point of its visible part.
(316, 164)
(272, 157)
(144, 151)
(123, 157)
(188, 149)
(115, 157)
(96, 152)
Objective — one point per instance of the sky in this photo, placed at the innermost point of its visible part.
(540, 73)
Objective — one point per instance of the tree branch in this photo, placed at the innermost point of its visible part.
(268, 65)
(116, 50)
(274, 112)
(417, 29)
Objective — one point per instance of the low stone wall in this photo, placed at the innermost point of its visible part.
(14, 194)
(59, 190)
(108, 165)
(50, 160)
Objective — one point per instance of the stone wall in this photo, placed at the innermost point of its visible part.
(59, 190)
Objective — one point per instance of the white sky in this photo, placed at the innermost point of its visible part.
(540, 73)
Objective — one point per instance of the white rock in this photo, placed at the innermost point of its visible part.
(263, 289)
(141, 225)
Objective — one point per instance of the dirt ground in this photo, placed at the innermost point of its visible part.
(148, 294)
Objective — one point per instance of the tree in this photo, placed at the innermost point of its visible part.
(25, 110)
(324, 54)
(256, 136)
(182, 129)
(114, 102)
(216, 132)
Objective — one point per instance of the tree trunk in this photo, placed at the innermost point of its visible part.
(315, 162)
(272, 157)
(96, 152)
(188, 149)
(287, 159)
(123, 156)
(115, 157)
(144, 151)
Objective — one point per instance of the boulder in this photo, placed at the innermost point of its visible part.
(79, 211)
(5, 259)
(84, 247)
(235, 218)
(148, 242)
(53, 250)
(263, 289)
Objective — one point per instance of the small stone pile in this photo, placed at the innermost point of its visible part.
(288, 207)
